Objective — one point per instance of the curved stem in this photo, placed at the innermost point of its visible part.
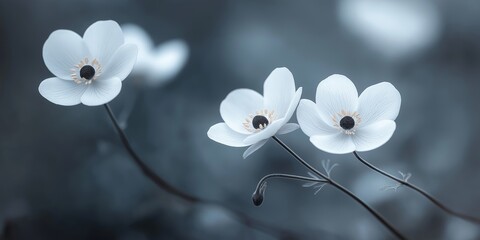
(287, 176)
(160, 182)
(343, 189)
(145, 169)
(419, 190)
(303, 162)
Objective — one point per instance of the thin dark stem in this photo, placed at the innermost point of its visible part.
(343, 189)
(419, 190)
(145, 169)
(160, 182)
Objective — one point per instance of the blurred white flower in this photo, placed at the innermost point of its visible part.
(341, 122)
(88, 70)
(250, 118)
(393, 28)
(157, 64)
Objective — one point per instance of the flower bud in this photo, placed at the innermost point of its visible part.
(257, 198)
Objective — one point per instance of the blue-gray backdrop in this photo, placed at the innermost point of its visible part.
(65, 175)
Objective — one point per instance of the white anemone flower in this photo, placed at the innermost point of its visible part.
(87, 70)
(158, 64)
(251, 119)
(341, 122)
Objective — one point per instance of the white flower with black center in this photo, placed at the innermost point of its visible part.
(251, 119)
(341, 122)
(87, 70)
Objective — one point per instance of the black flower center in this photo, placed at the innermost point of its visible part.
(347, 123)
(87, 72)
(259, 122)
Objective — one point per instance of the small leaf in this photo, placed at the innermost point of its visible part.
(313, 175)
(309, 184)
(319, 187)
(405, 177)
(328, 167)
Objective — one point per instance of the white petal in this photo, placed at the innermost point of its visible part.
(338, 143)
(310, 121)
(293, 105)
(62, 51)
(374, 135)
(166, 61)
(269, 131)
(223, 134)
(334, 95)
(236, 107)
(253, 148)
(379, 102)
(101, 92)
(103, 38)
(278, 91)
(121, 63)
(288, 128)
(61, 92)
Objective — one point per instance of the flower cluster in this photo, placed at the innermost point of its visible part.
(90, 70)
(338, 122)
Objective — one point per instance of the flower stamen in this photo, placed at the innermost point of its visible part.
(347, 122)
(86, 72)
(259, 121)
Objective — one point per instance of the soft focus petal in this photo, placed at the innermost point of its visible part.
(278, 91)
(395, 29)
(166, 61)
(134, 34)
(374, 135)
(101, 92)
(310, 120)
(334, 95)
(236, 107)
(269, 131)
(61, 92)
(338, 143)
(253, 148)
(103, 38)
(62, 51)
(379, 102)
(288, 128)
(223, 134)
(121, 63)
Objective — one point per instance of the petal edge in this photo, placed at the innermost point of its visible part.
(374, 135)
(61, 92)
(339, 143)
(223, 134)
(381, 101)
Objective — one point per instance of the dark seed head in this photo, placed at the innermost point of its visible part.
(87, 72)
(347, 123)
(258, 121)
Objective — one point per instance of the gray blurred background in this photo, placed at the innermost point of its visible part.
(65, 175)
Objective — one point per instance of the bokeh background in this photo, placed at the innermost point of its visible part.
(65, 175)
